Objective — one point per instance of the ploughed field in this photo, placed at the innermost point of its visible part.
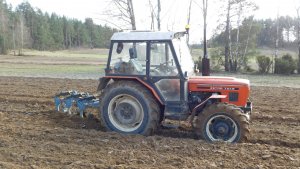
(33, 135)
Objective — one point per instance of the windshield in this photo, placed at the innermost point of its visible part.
(184, 57)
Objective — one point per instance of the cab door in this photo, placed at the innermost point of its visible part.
(166, 75)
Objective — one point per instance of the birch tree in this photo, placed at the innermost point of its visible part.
(228, 36)
(3, 28)
(298, 36)
(243, 7)
(155, 14)
(238, 9)
(158, 14)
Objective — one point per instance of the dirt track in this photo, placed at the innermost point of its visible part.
(33, 135)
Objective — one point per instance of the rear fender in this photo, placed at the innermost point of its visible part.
(138, 80)
(102, 83)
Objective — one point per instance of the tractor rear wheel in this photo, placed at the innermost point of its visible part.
(222, 122)
(128, 107)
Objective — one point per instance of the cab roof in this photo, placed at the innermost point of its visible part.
(145, 35)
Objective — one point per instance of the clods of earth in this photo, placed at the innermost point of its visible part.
(33, 135)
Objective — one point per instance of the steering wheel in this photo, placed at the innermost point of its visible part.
(164, 68)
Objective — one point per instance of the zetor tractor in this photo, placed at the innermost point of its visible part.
(149, 78)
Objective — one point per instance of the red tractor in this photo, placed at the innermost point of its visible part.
(149, 78)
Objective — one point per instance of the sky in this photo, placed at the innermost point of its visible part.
(174, 12)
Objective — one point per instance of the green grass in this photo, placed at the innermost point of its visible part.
(8, 69)
(267, 80)
(79, 53)
(270, 52)
(252, 59)
(42, 67)
(95, 71)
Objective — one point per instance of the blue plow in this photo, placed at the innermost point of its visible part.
(74, 102)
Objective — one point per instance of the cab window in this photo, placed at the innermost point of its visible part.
(162, 61)
(128, 58)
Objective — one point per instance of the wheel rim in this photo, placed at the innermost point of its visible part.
(125, 113)
(221, 128)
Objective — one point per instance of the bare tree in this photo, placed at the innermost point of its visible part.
(155, 15)
(287, 26)
(228, 37)
(243, 61)
(243, 6)
(298, 36)
(276, 41)
(131, 14)
(21, 33)
(3, 29)
(235, 8)
(152, 15)
(123, 11)
(158, 14)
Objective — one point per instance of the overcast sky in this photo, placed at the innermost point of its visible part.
(174, 12)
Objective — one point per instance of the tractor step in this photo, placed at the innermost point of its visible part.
(74, 102)
(176, 116)
(169, 126)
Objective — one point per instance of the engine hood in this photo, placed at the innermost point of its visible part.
(237, 90)
(218, 80)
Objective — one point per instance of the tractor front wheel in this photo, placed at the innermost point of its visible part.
(127, 107)
(222, 122)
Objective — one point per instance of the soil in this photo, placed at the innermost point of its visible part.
(33, 135)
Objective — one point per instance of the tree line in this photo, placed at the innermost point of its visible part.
(28, 27)
(264, 32)
(280, 33)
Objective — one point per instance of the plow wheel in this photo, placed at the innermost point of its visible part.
(222, 122)
(127, 107)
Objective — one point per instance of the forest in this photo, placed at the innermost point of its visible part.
(29, 27)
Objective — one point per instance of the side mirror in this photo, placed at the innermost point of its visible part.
(119, 48)
(185, 74)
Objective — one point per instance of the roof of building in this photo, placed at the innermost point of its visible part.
(143, 35)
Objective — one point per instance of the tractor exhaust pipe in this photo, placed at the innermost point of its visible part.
(205, 67)
(205, 60)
